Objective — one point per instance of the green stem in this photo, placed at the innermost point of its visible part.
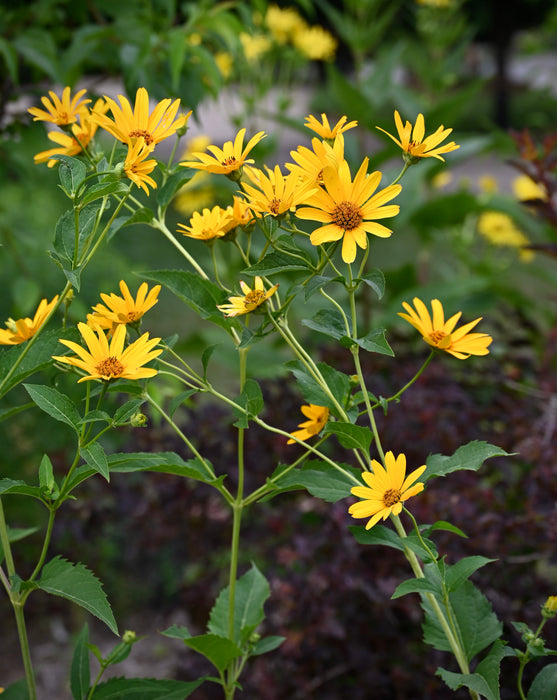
(46, 543)
(409, 384)
(24, 645)
(5, 540)
(88, 255)
(404, 169)
(161, 226)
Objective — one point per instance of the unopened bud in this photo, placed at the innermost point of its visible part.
(549, 608)
(138, 420)
(129, 637)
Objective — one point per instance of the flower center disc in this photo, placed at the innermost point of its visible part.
(110, 367)
(390, 497)
(254, 298)
(347, 216)
(139, 133)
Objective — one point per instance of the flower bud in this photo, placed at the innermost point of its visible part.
(138, 420)
(549, 608)
(129, 637)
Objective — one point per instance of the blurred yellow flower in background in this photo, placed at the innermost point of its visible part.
(500, 230)
(254, 46)
(283, 23)
(525, 188)
(316, 43)
(415, 144)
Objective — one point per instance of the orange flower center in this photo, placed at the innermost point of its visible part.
(230, 161)
(347, 216)
(110, 367)
(274, 206)
(138, 133)
(390, 497)
(133, 316)
(254, 298)
(437, 337)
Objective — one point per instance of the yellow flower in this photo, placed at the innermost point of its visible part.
(240, 213)
(17, 332)
(347, 209)
(276, 194)
(283, 22)
(74, 144)
(316, 43)
(251, 300)
(310, 164)
(106, 361)
(129, 125)
(549, 608)
(322, 128)
(500, 230)
(254, 46)
(60, 111)
(210, 224)
(224, 63)
(387, 489)
(137, 168)
(488, 183)
(413, 143)
(317, 415)
(228, 159)
(525, 188)
(441, 334)
(123, 309)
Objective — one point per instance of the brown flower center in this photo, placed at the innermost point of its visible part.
(110, 367)
(139, 133)
(347, 216)
(437, 336)
(254, 298)
(274, 206)
(230, 161)
(390, 497)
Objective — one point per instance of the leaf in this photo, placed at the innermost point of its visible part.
(16, 691)
(329, 321)
(321, 479)
(78, 584)
(374, 279)
(460, 572)
(145, 689)
(104, 189)
(46, 474)
(252, 590)
(179, 399)
(379, 534)
(281, 261)
(476, 622)
(442, 525)
(71, 172)
(177, 632)
(57, 405)
(544, 685)
(126, 411)
(95, 456)
(21, 488)
(143, 215)
(470, 456)
(485, 679)
(375, 341)
(251, 399)
(174, 182)
(416, 585)
(338, 383)
(80, 675)
(352, 437)
(219, 650)
(266, 645)
(65, 232)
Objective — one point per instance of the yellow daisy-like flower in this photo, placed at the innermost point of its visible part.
(316, 43)
(525, 189)
(317, 417)
(283, 22)
(240, 214)
(229, 159)
(106, 361)
(137, 168)
(311, 163)
(323, 128)
(441, 334)
(276, 194)
(348, 209)
(72, 144)
(129, 125)
(123, 309)
(413, 143)
(210, 224)
(387, 489)
(60, 111)
(251, 300)
(17, 332)
(500, 230)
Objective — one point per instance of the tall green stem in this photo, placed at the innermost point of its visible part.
(161, 226)
(24, 645)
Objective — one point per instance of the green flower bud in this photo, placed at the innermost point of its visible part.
(138, 420)
(129, 637)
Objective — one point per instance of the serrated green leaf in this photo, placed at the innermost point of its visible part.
(252, 590)
(174, 182)
(219, 650)
(71, 172)
(477, 623)
(57, 405)
(77, 583)
(124, 412)
(379, 534)
(80, 674)
(20, 487)
(330, 322)
(485, 679)
(470, 456)
(143, 215)
(376, 280)
(338, 383)
(463, 569)
(96, 416)
(316, 283)
(352, 437)
(375, 341)
(321, 479)
(103, 189)
(177, 632)
(544, 685)
(251, 399)
(95, 456)
(416, 585)
(65, 232)
(442, 525)
(145, 689)
(280, 261)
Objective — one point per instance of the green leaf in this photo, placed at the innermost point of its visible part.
(379, 534)
(442, 525)
(417, 585)
(266, 645)
(57, 405)
(77, 583)
(352, 437)
(485, 679)
(179, 399)
(289, 257)
(46, 474)
(219, 650)
(205, 357)
(252, 590)
(470, 456)
(16, 691)
(145, 689)
(103, 189)
(463, 569)
(316, 283)
(251, 399)
(375, 341)
(374, 279)
(200, 294)
(95, 456)
(477, 623)
(80, 675)
(544, 685)
(21, 488)
(64, 235)
(338, 383)
(143, 215)
(174, 182)
(321, 479)
(126, 411)
(177, 632)
(329, 321)
(71, 172)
